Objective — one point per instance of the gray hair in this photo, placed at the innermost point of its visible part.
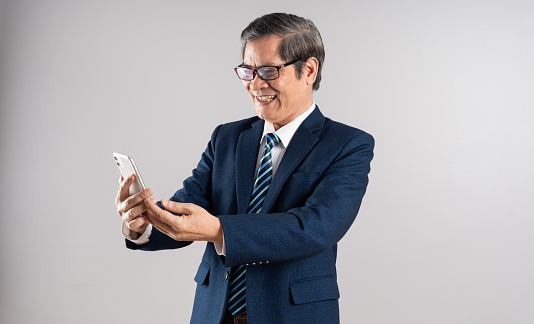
(300, 39)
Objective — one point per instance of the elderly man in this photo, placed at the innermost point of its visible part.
(272, 195)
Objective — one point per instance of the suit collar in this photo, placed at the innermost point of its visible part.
(315, 121)
(245, 166)
(286, 132)
(247, 155)
(302, 142)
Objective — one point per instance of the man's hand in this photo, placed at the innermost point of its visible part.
(131, 208)
(195, 224)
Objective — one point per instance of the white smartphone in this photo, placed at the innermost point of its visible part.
(127, 166)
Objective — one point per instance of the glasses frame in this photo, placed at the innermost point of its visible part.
(255, 70)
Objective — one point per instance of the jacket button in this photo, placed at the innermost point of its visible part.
(226, 275)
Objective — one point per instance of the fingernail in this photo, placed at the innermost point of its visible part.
(164, 202)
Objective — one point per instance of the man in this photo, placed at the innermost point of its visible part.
(272, 195)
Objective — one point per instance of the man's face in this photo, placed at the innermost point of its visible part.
(277, 101)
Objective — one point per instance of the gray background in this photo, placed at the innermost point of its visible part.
(446, 87)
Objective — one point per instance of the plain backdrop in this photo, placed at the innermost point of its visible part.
(444, 234)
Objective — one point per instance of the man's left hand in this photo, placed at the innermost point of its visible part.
(195, 224)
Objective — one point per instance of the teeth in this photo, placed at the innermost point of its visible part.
(265, 98)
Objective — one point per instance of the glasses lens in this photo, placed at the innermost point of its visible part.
(245, 73)
(268, 73)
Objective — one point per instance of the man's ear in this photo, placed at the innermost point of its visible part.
(310, 69)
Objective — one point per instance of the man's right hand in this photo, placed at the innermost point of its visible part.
(132, 208)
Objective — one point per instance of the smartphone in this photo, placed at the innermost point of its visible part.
(127, 166)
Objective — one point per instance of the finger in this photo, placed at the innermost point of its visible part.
(159, 217)
(124, 188)
(138, 225)
(134, 212)
(155, 212)
(137, 199)
(177, 207)
(162, 227)
(149, 214)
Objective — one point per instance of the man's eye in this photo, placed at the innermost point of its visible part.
(268, 71)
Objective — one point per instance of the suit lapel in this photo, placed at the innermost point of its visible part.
(245, 166)
(301, 143)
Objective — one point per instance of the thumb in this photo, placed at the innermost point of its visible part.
(176, 207)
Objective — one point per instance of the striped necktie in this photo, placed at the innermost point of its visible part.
(237, 301)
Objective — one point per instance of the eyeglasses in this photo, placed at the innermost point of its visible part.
(266, 73)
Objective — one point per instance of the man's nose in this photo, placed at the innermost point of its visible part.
(257, 83)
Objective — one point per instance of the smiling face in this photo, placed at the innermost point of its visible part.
(278, 101)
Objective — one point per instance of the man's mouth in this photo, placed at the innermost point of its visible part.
(265, 98)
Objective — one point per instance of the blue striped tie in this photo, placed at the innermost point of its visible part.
(237, 301)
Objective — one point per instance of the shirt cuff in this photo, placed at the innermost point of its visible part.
(220, 247)
(143, 239)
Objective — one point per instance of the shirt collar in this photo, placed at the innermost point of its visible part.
(286, 132)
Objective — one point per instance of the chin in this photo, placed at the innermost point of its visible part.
(265, 115)
(261, 115)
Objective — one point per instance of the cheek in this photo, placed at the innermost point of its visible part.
(276, 86)
(246, 86)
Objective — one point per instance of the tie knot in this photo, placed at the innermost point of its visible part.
(272, 140)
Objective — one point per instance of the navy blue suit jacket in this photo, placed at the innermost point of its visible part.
(289, 248)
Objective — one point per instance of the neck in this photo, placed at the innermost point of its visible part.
(299, 112)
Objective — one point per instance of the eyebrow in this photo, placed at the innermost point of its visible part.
(252, 67)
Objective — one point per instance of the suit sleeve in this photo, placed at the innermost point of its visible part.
(313, 227)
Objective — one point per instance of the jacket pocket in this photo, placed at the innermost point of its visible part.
(203, 272)
(314, 289)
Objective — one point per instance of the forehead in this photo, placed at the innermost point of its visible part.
(263, 51)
